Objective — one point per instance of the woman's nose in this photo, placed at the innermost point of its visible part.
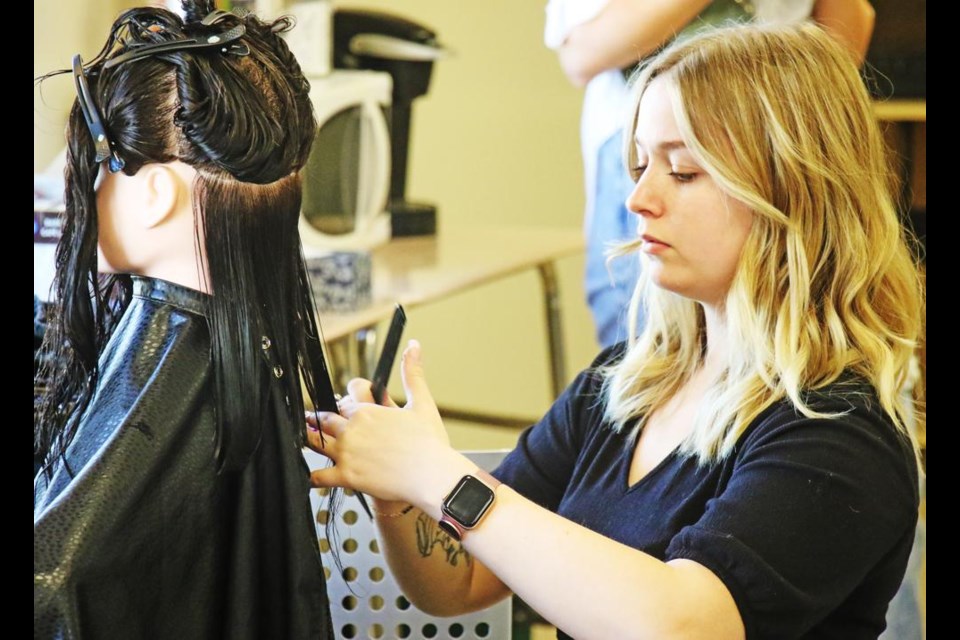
(643, 200)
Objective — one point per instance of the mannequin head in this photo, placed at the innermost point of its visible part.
(146, 224)
(183, 155)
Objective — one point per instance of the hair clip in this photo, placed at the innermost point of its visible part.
(221, 40)
(214, 17)
(225, 41)
(91, 114)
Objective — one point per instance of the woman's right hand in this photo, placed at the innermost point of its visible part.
(389, 452)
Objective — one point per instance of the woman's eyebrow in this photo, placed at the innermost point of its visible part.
(667, 145)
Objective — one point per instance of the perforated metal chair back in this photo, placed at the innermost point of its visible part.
(365, 601)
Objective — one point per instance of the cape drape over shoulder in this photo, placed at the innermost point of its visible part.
(137, 536)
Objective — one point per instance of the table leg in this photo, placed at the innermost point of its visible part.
(352, 356)
(551, 301)
(366, 345)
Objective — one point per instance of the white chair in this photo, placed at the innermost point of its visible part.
(365, 601)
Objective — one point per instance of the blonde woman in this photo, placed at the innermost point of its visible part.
(742, 467)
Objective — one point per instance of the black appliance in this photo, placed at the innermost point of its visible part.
(896, 61)
(896, 69)
(364, 39)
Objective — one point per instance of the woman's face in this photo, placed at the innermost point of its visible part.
(692, 231)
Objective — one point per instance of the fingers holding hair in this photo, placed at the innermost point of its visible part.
(324, 444)
(328, 477)
(331, 424)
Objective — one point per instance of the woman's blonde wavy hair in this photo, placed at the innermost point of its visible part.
(826, 284)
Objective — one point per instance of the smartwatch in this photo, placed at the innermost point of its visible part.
(465, 506)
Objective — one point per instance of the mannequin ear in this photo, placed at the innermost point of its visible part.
(163, 191)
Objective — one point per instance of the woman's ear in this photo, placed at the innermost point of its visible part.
(164, 193)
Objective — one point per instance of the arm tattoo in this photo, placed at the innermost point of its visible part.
(430, 535)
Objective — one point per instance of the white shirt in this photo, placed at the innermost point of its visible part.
(606, 98)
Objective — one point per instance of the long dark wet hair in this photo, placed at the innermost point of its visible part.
(246, 124)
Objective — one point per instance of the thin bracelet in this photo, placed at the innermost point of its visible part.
(407, 509)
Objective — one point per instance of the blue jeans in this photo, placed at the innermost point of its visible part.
(609, 289)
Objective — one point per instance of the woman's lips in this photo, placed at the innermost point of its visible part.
(652, 245)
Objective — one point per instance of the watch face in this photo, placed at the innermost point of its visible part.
(468, 501)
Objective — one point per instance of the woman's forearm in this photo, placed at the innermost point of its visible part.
(622, 33)
(593, 587)
(849, 21)
(433, 570)
(582, 582)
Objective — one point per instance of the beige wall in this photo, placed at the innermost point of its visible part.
(60, 30)
(493, 142)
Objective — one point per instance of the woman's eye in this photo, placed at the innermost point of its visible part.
(683, 177)
(636, 172)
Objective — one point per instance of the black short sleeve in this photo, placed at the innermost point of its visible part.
(814, 513)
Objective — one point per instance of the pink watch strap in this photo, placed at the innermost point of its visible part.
(487, 479)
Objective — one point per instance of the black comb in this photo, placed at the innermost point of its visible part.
(390, 347)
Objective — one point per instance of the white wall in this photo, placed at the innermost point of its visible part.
(60, 30)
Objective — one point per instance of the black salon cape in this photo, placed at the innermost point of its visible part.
(145, 539)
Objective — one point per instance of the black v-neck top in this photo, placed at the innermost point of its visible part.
(809, 522)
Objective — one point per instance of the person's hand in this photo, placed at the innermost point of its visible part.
(389, 452)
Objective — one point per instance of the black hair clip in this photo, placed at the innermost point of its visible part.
(225, 41)
(92, 115)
